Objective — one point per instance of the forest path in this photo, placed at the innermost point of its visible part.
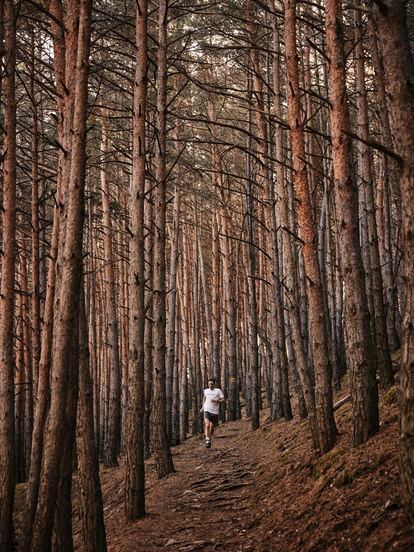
(267, 491)
(205, 505)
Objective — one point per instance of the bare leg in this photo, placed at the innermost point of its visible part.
(207, 428)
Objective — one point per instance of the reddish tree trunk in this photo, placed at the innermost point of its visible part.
(113, 434)
(7, 436)
(358, 340)
(66, 310)
(375, 280)
(135, 471)
(93, 528)
(172, 305)
(163, 458)
(318, 324)
(65, 111)
(391, 19)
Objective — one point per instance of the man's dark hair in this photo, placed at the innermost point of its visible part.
(211, 379)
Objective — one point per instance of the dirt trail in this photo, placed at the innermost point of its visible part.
(267, 491)
(204, 506)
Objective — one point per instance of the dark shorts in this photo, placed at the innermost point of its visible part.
(211, 417)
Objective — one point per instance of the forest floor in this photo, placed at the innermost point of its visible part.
(266, 490)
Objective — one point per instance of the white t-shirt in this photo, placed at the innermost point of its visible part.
(209, 405)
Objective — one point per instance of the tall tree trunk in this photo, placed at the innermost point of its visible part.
(175, 429)
(113, 433)
(392, 193)
(20, 397)
(183, 414)
(391, 21)
(172, 306)
(7, 435)
(318, 323)
(294, 333)
(28, 369)
(281, 372)
(149, 323)
(92, 327)
(65, 74)
(62, 538)
(135, 470)
(358, 340)
(228, 279)
(35, 225)
(93, 528)
(207, 311)
(252, 310)
(215, 302)
(66, 311)
(163, 458)
(380, 323)
(196, 328)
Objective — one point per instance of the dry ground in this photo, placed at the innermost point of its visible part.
(266, 491)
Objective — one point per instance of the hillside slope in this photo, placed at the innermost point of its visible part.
(266, 491)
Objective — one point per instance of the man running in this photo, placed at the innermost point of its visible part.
(212, 397)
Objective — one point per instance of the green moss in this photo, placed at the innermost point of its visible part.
(324, 463)
(322, 483)
(391, 396)
(331, 457)
(345, 382)
(344, 478)
(396, 358)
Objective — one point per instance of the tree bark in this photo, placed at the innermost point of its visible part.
(379, 322)
(183, 413)
(291, 304)
(228, 278)
(135, 470)
(28, 370)
(113, 433)
(391, 21)
(215, 302)
(358, 340)
(19, 410)
(92, 520)
(172, 308)
(318, 324)
(62, 538)
(66, 310)
(64, 72)
(281, 379)
(207, 312)
(390, 176)
(7, 434)
(163, 458)
(35, 226)
(149, 322)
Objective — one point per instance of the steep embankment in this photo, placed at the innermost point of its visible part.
(266, 491)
